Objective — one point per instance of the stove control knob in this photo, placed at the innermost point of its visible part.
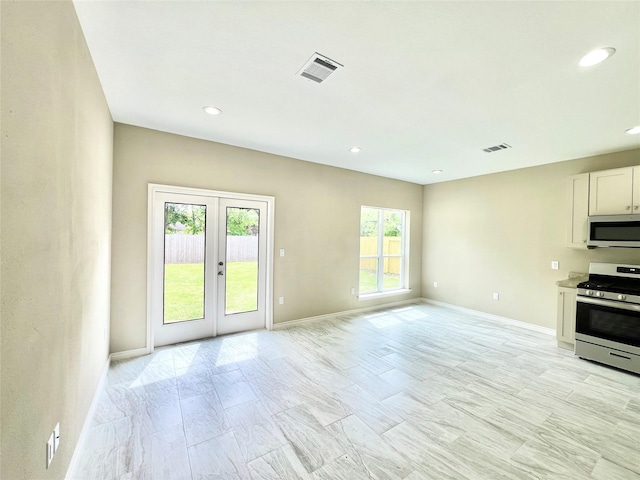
(599, 294)
(589, 292)
(622, 297)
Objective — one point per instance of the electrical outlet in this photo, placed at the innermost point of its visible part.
(281, 300)
(282, 252)
(435, 284)
(50, 444)
(353, 291)
(555, 265)
(496, 296)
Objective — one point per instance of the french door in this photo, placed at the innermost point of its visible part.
(209, 264)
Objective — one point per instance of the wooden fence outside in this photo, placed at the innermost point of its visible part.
(181, 248)
(391, 245)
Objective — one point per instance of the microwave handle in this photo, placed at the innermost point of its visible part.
(609, 303)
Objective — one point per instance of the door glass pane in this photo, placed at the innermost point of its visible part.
(368, 275)
(241, 289)
(184, 252)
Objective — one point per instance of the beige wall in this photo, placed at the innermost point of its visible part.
(317, 217)
(56, 223)
(500, 232)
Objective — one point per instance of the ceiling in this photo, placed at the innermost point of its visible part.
(425, 85)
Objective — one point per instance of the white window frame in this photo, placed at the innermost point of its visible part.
(404, 256)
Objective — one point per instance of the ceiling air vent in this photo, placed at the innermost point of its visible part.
(318, 68)
(496, 148)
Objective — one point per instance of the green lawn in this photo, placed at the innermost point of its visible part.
(242, 287)
(184, 290)
(368, 282)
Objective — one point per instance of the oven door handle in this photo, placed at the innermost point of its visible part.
(609, 303)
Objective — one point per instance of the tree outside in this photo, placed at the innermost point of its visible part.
(184, 218)
(190, 219)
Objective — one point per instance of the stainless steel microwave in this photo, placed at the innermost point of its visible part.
(613, 231)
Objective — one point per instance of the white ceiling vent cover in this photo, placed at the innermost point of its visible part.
(496, 148)
(318, 68)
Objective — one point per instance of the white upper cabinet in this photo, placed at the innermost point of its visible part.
(614, 192)
(578, 192)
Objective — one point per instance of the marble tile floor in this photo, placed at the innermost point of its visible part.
(411, 392)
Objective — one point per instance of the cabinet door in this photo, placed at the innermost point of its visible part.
(611, 192)
(578, 201)
(566, 326)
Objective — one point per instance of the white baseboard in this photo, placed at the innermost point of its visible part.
(489, 316)
(136, 352)
(73, 465)
(302, 321)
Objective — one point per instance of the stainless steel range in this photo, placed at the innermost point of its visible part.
(608, 316)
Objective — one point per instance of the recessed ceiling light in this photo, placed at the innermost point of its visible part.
(211, 110)
(596, 56)
(437, 172)
(633, 130)
(355, 149)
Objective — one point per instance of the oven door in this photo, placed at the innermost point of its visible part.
(614, 322)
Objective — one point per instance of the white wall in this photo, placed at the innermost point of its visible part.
(57, 151)
(500, 232)
(317, 218)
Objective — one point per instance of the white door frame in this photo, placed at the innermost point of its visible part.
(154, 188)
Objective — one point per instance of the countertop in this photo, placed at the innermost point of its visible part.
(574, 279)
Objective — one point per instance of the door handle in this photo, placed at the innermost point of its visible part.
(608, 303)
(220, 272)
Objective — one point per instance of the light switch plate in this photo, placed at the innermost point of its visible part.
(555, 265)
(56, 438)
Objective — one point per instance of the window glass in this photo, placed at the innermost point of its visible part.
(382, 250)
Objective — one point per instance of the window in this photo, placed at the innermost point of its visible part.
(383, 250)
